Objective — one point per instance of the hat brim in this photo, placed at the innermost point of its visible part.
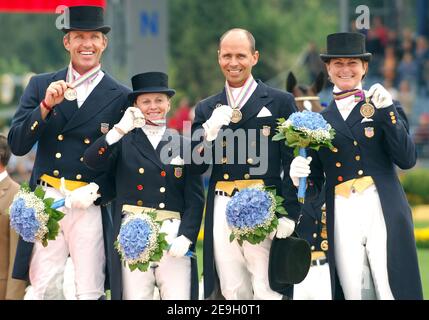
(103, 29)
(133, 95)
(327, 57)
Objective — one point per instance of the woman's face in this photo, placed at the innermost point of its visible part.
(346, 73)
(154, 106)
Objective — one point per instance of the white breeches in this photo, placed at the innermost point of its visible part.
(315, 286)
(360, 246)
(81, 236)
(171, 275)
(242, 270)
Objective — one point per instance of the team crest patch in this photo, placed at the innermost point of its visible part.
(104, 128)
(369, 132)
(266, 130)
(178, 172)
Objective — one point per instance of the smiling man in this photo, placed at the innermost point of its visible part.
(64, 112)
(250, 109)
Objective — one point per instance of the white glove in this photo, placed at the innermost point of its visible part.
(380, 96)
(221, 116)
(285, 228)
(80, 198)
(299, 168)
(132, 118)
(179, 246)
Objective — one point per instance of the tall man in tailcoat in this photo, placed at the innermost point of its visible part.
(244, 114)
(64, 112)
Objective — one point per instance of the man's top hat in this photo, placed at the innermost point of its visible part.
(86, 18)
(149, 82)
(346, 45)
(289, 262)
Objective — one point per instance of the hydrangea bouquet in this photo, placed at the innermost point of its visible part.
(140, 241)
(251, 213)
(305, 130)
(33, 217)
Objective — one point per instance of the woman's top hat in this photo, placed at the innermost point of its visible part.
(346, 45)
(149, 82)
(289, 262)
(85, 18)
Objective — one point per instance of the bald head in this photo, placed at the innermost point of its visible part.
(238, 33)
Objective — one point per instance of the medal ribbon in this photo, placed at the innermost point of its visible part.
(82, 78)
(244, 93)
(359, 95)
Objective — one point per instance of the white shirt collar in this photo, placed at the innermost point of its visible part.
(3, 175)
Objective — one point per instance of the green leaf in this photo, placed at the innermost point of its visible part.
(231, 237)
(133, 266)
(281, 210)
(278, 137)
(48, 202)
(39, 193)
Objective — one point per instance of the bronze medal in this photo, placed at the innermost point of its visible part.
(70, 94)
(236, 116)
(367, 110)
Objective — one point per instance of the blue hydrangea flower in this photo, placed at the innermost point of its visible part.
(249, 209)
(24, 220)
(309, 120)
(134, 238)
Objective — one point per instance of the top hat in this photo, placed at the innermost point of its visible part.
(86, 18)
(289, 262)
(346, 45)
(149, 82)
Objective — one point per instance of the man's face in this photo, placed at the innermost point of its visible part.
(154, 106)
(346, 73)
(85, 48)
(236, 59)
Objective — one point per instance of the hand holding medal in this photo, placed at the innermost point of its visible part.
(55, 93)
(380, 97)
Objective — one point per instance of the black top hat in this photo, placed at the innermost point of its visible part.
(290, 260)
(149, 82)
(346, 45)
(86, 18)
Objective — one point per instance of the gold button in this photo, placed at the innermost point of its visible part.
(78, 176)
(87, 141)
(139, 203)
(32, 128)
(394, 121)
(81, 159)
(35, 124)
(58, 155)
(392, 113)
(335, 150)
(60, 137)
(393, 117)
(355, 143)
(360, 172)
(324, 245)
(224, 160)
(162, 189)
(250, 161)
(314, 235)
(56, 173)
(312, 248)
(141, 170)
(247, 176)
(357, 158)
(162, 205)
(226, 176)
(338, 164)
